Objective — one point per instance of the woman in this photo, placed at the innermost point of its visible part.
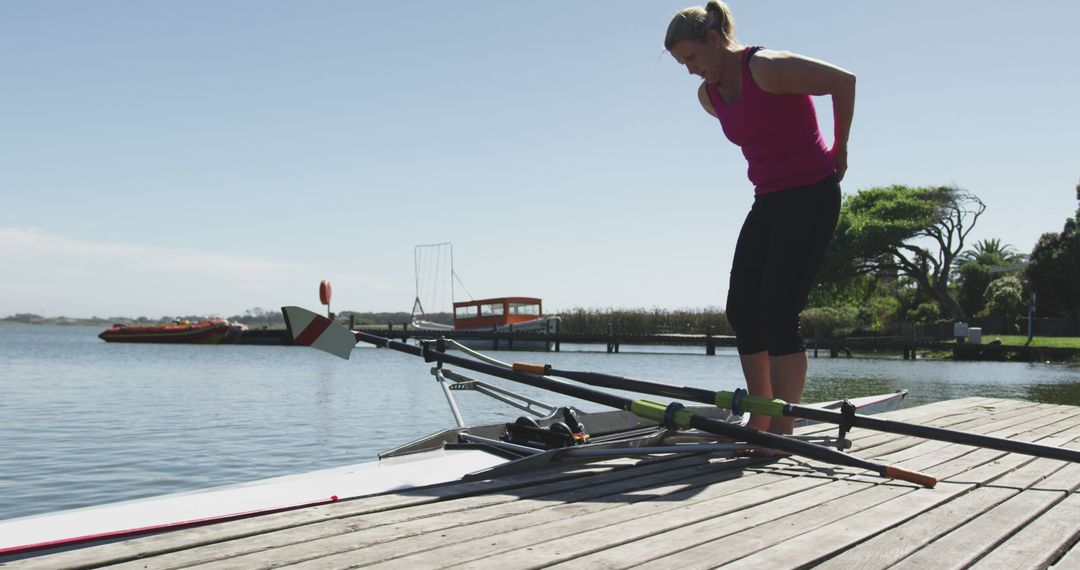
(762, 99)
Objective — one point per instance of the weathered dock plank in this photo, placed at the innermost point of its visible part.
(1040, 543)
(677, 530)
(212, 536)
(976, 491)
(801, 537)
(385, 540)
(978, 536)
(527, 519)
(979, 533)
(991, 509)
(376, 554)
(571, 538)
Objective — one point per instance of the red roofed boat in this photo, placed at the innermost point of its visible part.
(501, 314)
(211, 331)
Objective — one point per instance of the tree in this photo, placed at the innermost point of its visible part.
(1005, 299)
(987, 250)
(977, 267)
(915, 232)
(1053, 272)
(972, 279)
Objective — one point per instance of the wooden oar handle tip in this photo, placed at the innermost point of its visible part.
(540, 369)
(923, 479)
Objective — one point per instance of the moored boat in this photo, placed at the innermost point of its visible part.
(499, 314)
(210, 331)
(495, 314)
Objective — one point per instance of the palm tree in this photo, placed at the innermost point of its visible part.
(990, 252)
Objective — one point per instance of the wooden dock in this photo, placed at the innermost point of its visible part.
(990, 510)
(614, 341)
(505, 339)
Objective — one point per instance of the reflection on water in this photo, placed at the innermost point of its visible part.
(83, 422)
(1063, 393)
(929, 381)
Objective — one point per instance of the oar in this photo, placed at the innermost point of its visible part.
(310, 329)
(742, 402)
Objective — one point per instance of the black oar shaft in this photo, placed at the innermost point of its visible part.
(936, 433)
(645, 387)
(649, 409)
(823, 415)
(564, 388)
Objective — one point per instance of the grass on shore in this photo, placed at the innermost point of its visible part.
(1039, 341)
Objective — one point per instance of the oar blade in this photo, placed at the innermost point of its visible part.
(312, 329)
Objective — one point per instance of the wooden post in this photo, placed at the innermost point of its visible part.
(610, 338)
(352, 321)
(710, 343)
(558, 337)
(817, 339)
(907, 339)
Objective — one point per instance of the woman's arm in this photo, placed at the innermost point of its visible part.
(703, 98)
(786, 73)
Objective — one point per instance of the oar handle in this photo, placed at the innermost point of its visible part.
(538, 369)
(894, 472)
(791, 445)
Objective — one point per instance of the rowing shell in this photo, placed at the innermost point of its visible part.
(172, 512)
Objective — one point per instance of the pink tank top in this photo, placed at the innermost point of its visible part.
(779, 134)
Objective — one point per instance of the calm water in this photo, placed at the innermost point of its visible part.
(83, 422)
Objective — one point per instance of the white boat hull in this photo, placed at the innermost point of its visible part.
(218, 504)
(541, 325)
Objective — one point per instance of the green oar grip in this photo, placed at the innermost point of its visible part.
(657, 412)
(923, 479)
(752, 404)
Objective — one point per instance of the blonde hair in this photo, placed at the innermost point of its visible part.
(694, 23)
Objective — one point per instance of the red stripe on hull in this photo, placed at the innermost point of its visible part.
(160, 527)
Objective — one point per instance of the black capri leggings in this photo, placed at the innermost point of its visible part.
(780, 247)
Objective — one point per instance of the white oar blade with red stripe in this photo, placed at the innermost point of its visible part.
(312, 329)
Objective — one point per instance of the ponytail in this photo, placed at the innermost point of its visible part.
(694, 23)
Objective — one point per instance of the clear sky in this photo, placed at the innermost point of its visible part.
(197, 157)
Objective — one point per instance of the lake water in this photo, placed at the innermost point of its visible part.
(84, 422)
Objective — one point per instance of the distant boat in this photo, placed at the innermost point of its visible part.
(210, 331)
(501, 314)
(496, 314)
